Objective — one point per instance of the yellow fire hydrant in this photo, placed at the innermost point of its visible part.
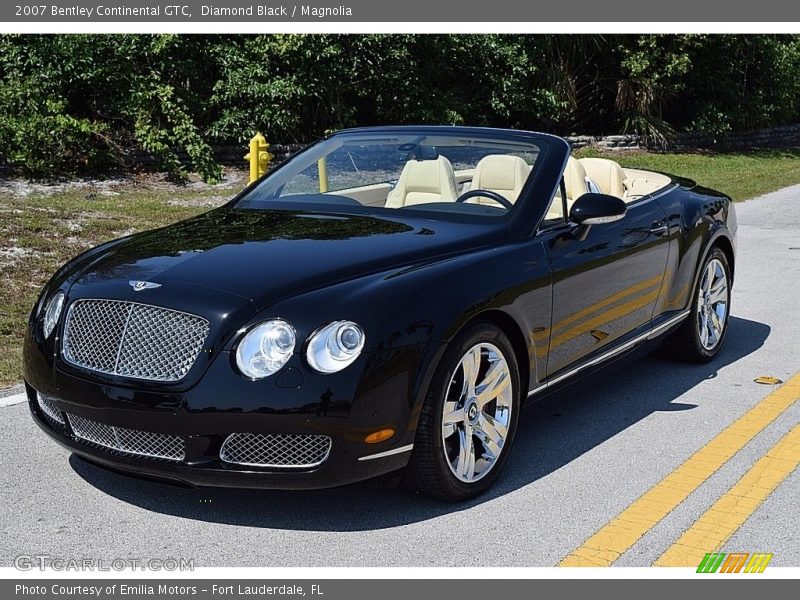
(258, 157)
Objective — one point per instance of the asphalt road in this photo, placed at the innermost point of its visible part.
(579, 461)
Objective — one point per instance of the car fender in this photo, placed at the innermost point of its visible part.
(426, 305)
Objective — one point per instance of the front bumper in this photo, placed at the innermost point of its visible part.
(376, 392)
(202, 465)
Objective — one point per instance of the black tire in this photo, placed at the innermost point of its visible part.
(428, 471)
(684, 344)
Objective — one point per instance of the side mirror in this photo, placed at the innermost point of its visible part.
(595, 209)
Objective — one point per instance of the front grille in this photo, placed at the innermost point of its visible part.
(275, 450)
(133, 340)
(128, 441)
(49, 408)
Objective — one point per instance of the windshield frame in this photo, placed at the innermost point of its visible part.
(542, 184)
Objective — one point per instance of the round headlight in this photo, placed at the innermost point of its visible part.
(52, 313)
(335, 346)
(265, 349)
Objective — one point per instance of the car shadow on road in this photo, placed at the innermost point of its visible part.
(551, 433)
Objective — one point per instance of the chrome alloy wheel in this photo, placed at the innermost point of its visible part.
(712, 304)
(477, 412)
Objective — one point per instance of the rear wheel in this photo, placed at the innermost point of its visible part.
(469, 417)
(699, 339)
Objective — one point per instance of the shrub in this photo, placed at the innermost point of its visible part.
(82, 103)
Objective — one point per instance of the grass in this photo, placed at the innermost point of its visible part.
(41, 228)
(41, 231)
(741, 175)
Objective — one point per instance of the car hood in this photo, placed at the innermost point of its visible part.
(265, 256)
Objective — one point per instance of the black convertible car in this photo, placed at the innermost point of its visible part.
(387, 299)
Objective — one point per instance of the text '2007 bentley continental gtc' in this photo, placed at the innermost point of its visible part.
(384, 301)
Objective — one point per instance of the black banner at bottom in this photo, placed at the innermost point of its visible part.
(391, 589)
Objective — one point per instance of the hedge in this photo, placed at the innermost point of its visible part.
(72, 104)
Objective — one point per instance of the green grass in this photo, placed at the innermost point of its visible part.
(741, 175)
(44, 231)
(39, 233)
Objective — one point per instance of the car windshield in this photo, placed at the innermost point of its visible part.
(439, 173)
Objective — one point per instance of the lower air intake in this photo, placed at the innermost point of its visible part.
(49, 409)
(275, 450)
(128, 441)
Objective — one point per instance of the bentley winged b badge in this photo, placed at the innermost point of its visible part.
(138, 286)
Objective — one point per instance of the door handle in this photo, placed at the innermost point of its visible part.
(659, 228)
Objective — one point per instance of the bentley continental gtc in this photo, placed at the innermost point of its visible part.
(385, 301)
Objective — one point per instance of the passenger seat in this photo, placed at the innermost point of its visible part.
(607, 174)
(424, 181)
(574, 181)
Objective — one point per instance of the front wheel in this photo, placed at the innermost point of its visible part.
(468, 418)
(699, 339)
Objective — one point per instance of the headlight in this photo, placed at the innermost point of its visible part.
(265, 349)
(335, 346)
(52, 313)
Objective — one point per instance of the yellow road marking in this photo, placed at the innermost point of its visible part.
(724, 518)
(608, 543)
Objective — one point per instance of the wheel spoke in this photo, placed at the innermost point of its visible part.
(495, 382)
(471, 364)
(466, 454)
(492, 434)
(716, 324)
(711, 336)
(490, 449)
(704, 329)
(719, 291)
(452, 414)
(707, 276)
(494, 428)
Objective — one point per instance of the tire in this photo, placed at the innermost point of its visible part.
(439, 466)
(688, 343)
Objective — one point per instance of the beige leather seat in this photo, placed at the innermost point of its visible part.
(574, 181)
(607, 174)
(500, 173)
(423, 181)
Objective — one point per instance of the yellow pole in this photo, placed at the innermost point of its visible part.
(322, 166)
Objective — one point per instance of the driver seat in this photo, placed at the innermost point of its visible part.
(503, 174)
(424, 181)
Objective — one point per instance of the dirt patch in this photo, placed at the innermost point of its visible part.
(12, 254)
(233, 179)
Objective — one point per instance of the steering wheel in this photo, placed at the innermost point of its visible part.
(502, 200)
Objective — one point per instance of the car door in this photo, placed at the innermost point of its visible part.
(605, 286)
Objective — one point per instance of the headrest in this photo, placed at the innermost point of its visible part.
(430, 176)
(501, 172)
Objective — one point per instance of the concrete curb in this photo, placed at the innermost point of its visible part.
(12, 395)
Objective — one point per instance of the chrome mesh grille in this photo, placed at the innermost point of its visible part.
(133, 340)
(128, 441)
(275, 450)
(49, 409)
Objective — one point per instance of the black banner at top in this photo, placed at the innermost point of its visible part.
(416, 11)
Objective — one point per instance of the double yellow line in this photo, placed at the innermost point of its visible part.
(731, 510)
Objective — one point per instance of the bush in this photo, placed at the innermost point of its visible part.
(82, 103)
